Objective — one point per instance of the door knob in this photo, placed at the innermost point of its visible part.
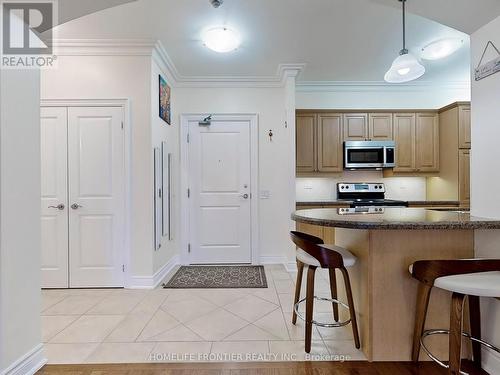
(245, 196)
(59, 207)
(76, 206)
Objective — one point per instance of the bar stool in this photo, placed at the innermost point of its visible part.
(466, 278)
(311, 251)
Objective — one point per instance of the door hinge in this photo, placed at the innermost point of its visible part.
(123, 267)
(122, 124)
(189, 193)
(187, 138)
(189, 248)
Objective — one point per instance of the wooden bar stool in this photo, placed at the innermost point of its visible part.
(466, 278)
(311, 251)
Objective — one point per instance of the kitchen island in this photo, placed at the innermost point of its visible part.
(385, 244)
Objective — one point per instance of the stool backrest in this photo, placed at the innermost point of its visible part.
(312, 245)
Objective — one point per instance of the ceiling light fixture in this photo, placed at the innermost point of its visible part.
(221, 39)
(441, 48)
(405, 67)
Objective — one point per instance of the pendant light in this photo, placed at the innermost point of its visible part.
(405, 67)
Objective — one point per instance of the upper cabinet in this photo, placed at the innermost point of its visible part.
(404, 136)
(380, 127)
(355, 127)
(427, 142)
(319, 146)
(329, 136)
(464, 130)
(306, 158)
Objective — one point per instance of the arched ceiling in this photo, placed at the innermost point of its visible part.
(339, 40)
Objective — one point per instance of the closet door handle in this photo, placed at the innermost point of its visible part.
(76, 206)
(59, 207)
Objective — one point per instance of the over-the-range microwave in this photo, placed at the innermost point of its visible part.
(369, 154)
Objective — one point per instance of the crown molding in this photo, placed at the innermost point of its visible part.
(374, 86)
(155, 49)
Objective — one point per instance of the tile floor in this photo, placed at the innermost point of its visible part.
(189, 325)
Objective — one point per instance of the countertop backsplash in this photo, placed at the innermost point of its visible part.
(325, 188)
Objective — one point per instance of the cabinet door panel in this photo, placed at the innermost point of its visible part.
(330, 143)
(380, 127)
(427, 142)
(464, 175)
(355, 126)
(306, 143)
(404, 135)
(464, 129)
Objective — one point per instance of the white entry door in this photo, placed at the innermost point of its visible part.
(54, 194)
(219, 179)
(82, 197)
(96, 197)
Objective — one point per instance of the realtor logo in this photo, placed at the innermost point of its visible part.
(22, 26)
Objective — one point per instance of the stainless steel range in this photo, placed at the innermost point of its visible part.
(366, 195)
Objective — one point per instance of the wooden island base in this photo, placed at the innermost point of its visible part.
(385, 293)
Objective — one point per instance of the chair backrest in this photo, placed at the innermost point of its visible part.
(312, 245)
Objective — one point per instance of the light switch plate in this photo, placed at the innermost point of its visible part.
(265, 194)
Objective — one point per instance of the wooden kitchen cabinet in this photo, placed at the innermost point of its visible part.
(329, 139)
(404, 136)
(464, 129)
(355, 126)
(380, 127)
(306, 155)
(464, 176)
(427, 142)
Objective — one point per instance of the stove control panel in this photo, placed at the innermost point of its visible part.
(361, 211)
(361, 188)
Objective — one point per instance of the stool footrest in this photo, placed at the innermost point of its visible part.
(321, 324)
(431, 332)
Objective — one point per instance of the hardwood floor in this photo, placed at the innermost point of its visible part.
(290, 368)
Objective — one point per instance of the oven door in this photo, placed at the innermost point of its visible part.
(364, 157)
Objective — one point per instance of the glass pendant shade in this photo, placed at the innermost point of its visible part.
(405, 68)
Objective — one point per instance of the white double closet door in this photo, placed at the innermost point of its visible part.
(82, 197)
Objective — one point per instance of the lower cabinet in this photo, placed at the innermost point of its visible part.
(464, 176)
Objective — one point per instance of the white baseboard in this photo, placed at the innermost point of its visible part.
(28, 364)
(151, 282)
(491, 361)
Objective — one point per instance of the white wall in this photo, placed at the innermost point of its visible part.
(118, 77)
(414, 96)
(276, 158)
(325, 188)
(485, 178)
(20, 220)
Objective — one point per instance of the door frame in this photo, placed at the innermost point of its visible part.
(253, 120)
(125, 105)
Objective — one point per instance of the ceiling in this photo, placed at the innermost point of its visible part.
(338, 40)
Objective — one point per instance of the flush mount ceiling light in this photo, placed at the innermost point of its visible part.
(405, 67)
(441, 48)
(221, 39)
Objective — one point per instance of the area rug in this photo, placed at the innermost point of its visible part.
(216, 277)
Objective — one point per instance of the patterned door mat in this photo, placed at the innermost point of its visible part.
(215, 277)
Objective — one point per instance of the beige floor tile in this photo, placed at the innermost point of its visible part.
(274, 323)
(50, 299)
(116, 304)
(129, 328)
(280, 275)
(60, 354)
(269, 295)
(336, 333)
(295, 350)
(73, 305)
(181, 352)
(297, 331)
(88, 328)
(151, 303)
(121, 353)
(161, 322)
(286, 301)
(222, 297)
(188, 309)
(179, 333)
(345, 350)
(284, 286)
(239, 351)
(216, 325)
(251, 333)
(52, 325)
(251, 308)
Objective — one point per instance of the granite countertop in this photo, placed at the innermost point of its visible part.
(335, 203)
(395, 218)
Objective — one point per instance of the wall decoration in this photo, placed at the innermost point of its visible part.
(166, 188)
(490, 67)
(165, 105)
(158, 195)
